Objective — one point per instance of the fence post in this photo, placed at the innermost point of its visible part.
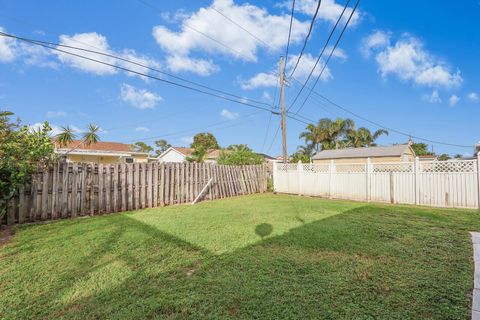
(331, 170)
(274, 175)
(478, 178)
(300, 177)
(368, 170)
(416, 169)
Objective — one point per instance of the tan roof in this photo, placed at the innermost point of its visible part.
(185, 151)
(212, 154)
(367, 152)
(99, 146)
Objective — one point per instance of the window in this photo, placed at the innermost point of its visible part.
(128, 160)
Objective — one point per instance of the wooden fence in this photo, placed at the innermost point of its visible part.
(67, 190)
(454, 184)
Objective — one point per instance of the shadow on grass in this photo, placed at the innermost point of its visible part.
(368, 262)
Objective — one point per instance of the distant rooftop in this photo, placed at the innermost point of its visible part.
(366, 152)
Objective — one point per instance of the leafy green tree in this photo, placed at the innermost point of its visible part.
(458, 156)
(198, 155)
(22, 151)
(205, 140)
(303, 154)
(162, 146)
(444, 157)
(239, 155)
(141, 147)
(421, 149)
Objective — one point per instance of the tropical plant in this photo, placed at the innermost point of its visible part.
(91, 135)
(444, 157)
(421, 149)
(204, 140)
(22, 151)
(239, 155)
(198, 155)
(141, 147)
(363, 137)
(162, 146)
(303, 154)
(67, 135)
(327, 134)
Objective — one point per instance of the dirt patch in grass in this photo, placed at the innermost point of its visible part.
(6, 235)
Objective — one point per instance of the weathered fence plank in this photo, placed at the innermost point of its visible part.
(66, 190)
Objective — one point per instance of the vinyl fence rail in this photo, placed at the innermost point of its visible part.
(454, 184)
(67, 190)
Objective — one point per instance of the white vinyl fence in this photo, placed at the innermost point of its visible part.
(431, 183)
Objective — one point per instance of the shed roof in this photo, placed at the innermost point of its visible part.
(367, 152)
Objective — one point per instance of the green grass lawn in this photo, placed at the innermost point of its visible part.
(253, 257)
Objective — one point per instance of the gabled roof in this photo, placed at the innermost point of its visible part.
(367, 152)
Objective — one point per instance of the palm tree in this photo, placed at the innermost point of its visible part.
(66, 136)
(91, 136)
(363, 137)
(338, 129)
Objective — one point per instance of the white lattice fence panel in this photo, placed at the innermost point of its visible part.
(456, 166)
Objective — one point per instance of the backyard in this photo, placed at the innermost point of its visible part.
(261, 256)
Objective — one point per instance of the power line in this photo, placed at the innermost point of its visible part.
(270, 117)
(330, 56)
(289, 31)
(320, 55)
(151, 6)
(192, 129)
(306, 38)
(241, 27)
(138, 73)
(134, 63)
(388, 128)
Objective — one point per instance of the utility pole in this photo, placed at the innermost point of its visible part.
(284, 121)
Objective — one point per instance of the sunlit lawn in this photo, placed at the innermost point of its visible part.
(262, 256)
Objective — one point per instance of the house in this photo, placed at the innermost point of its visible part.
(394, 153)
(180, 154)
(100, 152)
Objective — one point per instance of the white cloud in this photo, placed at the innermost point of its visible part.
(55, 114)
(55, 129)
(98, 42)
(378, 39)
(265, 80)
(7, 48)
(227, 114)
(139, 98)
(260, 80)
(453, 100)
(179, 63)
(434, 97)
(473, 96)
(410, 61)
(206, 23)
(11, 49)
(142, 129)
(329, 10)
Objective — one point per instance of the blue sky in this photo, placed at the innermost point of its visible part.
(408, 65)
